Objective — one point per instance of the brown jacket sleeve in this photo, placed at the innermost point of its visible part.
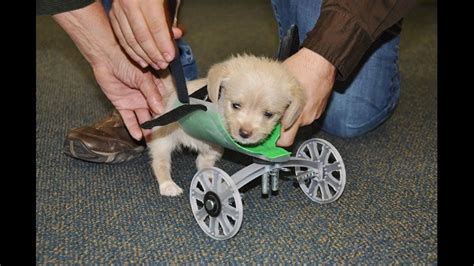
(347, 28)
(52, 7)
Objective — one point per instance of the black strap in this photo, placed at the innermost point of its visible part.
(175, 66)
(173, 115)
(201, 94)
(290, 44)
(179, 112)
(177, 73)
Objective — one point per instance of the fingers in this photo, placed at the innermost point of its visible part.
(287, 137)
(177, 32)
(155, 18)
(159, 83)
(123, 42)
(143, 115)
(124, 29)
(144, 38)
(142, 30)
(152, 93)
(130, 121)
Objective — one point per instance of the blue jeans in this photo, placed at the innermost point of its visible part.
(369, 96)
(187, 60)
(186, 54)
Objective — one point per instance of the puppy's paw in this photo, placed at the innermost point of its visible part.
(169, 188)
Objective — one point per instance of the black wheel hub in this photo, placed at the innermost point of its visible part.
(212, 204)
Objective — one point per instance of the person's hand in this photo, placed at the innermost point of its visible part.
(136, 93)
(141, 27)
(126, 85)
(316, 75)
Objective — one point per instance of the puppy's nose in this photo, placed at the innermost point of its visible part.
(245, 133)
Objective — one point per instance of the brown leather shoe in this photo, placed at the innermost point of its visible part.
(105, 141)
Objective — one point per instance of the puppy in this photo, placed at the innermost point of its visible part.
(252, 94)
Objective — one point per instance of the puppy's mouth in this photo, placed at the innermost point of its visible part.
(252, 141)
(246, 142)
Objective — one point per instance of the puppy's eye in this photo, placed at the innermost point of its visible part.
(236, 106)
(268, 114)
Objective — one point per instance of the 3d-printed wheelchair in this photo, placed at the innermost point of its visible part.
(214, 195)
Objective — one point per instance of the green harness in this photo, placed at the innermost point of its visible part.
(208, 126)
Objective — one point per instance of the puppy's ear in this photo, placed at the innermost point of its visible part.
(294, 109)
(216, 75)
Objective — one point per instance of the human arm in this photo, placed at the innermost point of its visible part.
(334, 47)
(134, 92)
(346, 29)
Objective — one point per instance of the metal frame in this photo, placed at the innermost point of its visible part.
(319, 171)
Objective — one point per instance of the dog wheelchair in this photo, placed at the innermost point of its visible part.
(214, 196)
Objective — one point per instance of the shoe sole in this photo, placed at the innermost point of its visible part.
(77, 149)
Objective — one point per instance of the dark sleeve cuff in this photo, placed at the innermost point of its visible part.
(339, 39)
(52, 7)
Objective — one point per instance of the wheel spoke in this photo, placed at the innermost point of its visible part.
(200, 214)
(325, 191)
(222, 187)
(312, 151)
(226, 194)
(303, 154)
(227, 223)
(230, 211)
(336, 166)
(324, 153)
(204, 180)
(213, 227)
(312, 187)
(199, 195)
(224, 222)
(216, 179)
(333, 182)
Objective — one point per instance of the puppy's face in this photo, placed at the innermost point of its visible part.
(253, 94)
(251, 107)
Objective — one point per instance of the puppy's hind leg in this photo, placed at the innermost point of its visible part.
(160, 150)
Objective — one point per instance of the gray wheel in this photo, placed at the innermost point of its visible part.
(216, 203)
(325, 184)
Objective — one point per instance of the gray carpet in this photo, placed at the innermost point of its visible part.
(95, 213)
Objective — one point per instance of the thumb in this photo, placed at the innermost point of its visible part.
(177, 32)
(130, 121)
(287, 137)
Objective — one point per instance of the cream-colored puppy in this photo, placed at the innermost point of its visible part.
(252, 93)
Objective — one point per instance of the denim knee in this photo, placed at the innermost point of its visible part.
(349, 126)
(367, 98)
(350, 116)
(303, 13)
